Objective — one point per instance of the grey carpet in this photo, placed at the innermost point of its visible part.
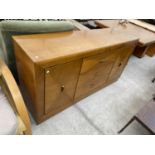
(108, 110)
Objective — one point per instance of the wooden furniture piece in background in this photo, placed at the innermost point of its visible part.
(145, 116)
(15, 99)
(150, 27)
(146, 37)
(145, 25)
(58, 69)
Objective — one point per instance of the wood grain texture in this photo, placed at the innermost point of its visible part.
(146, 36)
(63, 79)
(123, 56)
(31, 77)
(151, 50)
(14, 96)
(145, 25)
(53, 47)
(94, 73)
(57, 69)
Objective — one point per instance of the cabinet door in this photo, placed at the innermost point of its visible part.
(60, 84)
(120, 63)
(94, 74)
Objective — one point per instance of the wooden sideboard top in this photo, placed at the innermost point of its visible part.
(44, 48)
(145, 36)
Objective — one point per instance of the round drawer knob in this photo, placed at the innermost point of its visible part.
(47, 72)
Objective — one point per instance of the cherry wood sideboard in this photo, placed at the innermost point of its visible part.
(146, 44)
(58, 69)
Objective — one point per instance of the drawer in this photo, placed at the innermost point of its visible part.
(94, 73)
(60, 84)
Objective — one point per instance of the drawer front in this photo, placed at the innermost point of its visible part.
(60, 84)
(94, 73)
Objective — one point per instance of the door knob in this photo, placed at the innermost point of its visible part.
(47, 72)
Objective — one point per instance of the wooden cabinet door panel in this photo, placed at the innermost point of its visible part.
(121, 62)
(60, 84)
(94, 73)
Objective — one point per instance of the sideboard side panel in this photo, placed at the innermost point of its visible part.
(31, 81)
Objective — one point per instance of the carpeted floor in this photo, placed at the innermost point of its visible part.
(108, 110)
